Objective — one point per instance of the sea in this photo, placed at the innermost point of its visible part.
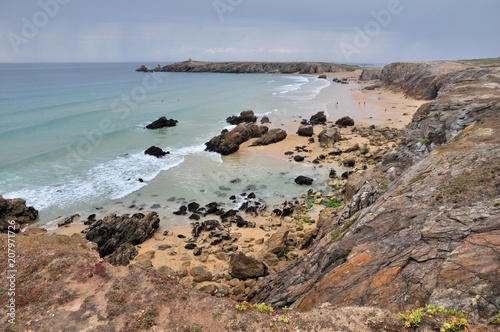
(72, 137)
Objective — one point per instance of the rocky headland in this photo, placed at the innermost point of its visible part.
(251, 67)
(412, 220)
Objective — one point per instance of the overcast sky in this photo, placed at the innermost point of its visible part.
(159, 31)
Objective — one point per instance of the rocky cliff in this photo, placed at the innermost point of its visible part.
(252, 67)
(424, 225)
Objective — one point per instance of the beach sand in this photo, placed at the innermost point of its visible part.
(367, 107)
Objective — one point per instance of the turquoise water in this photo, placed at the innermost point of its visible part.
(72, 136)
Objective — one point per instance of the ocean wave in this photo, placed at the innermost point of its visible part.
(110, 180)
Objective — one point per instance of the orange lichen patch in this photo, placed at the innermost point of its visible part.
(384, 276)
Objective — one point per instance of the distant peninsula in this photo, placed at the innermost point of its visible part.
(251, 67)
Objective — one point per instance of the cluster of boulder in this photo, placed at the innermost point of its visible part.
(229, 141)
(115, 236)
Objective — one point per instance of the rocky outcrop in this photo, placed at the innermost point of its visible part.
(424, 80)
(329, 136)
(244, 117)
(318, 119)
(14, 212)
(370, 74)
(305, 130)
(345, 121)
(272, 136)
(156, 152)
(242, 266)
(423, 228)
(162, 123)
(254, 67)
(229, 141)
(116, 236)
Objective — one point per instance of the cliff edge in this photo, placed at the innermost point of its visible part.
(424, 225)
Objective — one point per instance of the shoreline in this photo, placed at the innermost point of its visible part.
(165, 251)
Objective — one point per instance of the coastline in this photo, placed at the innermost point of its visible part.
(387, 110)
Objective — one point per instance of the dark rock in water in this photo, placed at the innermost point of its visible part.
(143, 69)
(228, 214)
(190, 246)
(318, 118)
(68, 220)
(304, 122)
(156, 152)
(162, 123)
(193, 207)
(155, 206)
(114, 235)
(272, 136)
(245, 267)
(140, 180)
(298, 158)
(15, 209)
(344, 122)
(346, 174)
(245, 116)
(194, 216)
(333, 174)
(322, 76)
(90, 220)
(303, 180)
(265, 119)
(305, 130)
(212, 208)
(182, 211)
(252, 195)
(237, 180)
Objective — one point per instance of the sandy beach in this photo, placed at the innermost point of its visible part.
(166, 250)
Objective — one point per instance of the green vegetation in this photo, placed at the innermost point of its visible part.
(345, 226)
(449, 319)
(329, 203)
(411, 318)
(496, 203)
(385, 184)
(309, 220)
(426, 141)
(496, 319)
(196, 328)
(263, 308)
(284, 320)
(243, 306)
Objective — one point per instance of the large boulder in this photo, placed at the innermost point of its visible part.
(303, 180)
(345, 122)
(244, 117)
(161, 123)
(245, 267)
(305, 130)
(156, 152)
(272, 136)
(370, 74)
(229, 141)
(14, 212)
(329, 136)
(318, 118)
(115, 234)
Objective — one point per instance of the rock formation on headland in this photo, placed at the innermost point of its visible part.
(14, 212)
(252, 67)
(431, 235)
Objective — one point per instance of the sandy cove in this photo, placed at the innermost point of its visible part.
(166, 250)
